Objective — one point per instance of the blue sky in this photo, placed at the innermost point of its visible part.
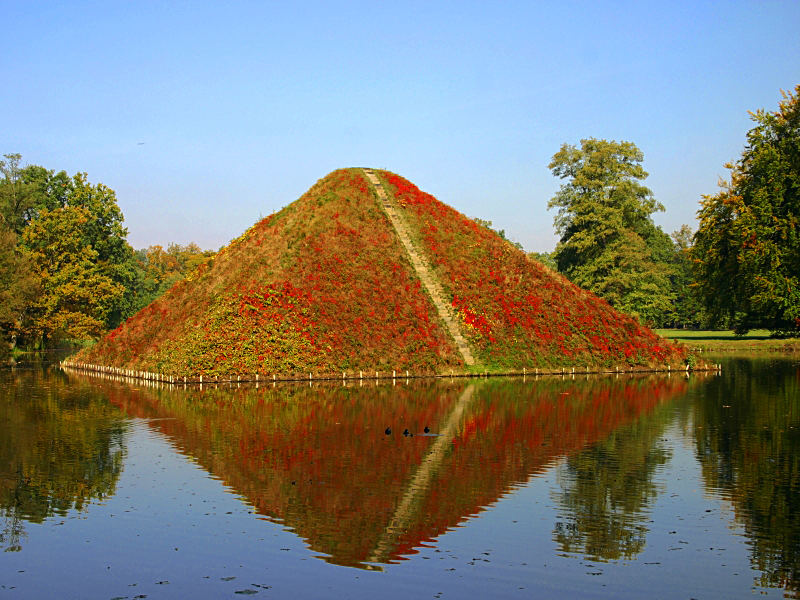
(204, 116)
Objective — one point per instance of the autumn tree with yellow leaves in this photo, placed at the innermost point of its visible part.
(66, 268)
(76, 295)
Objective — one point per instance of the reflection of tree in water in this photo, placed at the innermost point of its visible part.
(606, 489)
(61, 445)
(747, 431)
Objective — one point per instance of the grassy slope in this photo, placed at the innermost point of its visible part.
(517, 312)
(322, 285)
(325, 286)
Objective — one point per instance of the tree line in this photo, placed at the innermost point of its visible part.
(67, 271)
(740, 270)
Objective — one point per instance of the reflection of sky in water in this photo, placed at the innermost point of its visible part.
(171, 530)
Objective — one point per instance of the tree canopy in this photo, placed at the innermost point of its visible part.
(747, 247)
(19, 285)
(609, 243)
(687, 310)
(66, 268)
(76, 295)
(17, 198)
(157, 269)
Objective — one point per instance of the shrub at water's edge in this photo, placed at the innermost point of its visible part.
(324, 285)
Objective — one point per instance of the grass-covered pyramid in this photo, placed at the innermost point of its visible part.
(326, 286)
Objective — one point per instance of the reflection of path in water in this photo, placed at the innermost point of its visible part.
(418, 485)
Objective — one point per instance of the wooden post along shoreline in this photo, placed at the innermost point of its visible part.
(239, 378)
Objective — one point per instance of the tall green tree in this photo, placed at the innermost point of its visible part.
(105, 233)
(688, 310)
(18, 286)
(747, 247)
(17, 196)
(48, 191)
(76, 294)
(32, 200)
(609, 243)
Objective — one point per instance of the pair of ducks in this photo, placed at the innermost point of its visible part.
(406, 432)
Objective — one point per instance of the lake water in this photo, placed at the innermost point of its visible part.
(593, 487)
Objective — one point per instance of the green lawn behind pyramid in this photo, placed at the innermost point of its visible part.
(325, 286)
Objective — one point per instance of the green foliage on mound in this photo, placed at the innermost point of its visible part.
(324, 285)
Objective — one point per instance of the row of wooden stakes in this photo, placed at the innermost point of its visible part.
(262, 378)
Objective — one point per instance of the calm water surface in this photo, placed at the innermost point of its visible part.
(600, 487)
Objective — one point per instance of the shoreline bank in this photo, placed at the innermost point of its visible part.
(725, 341)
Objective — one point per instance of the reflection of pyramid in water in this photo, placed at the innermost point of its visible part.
(367, 272)
(318, 460)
